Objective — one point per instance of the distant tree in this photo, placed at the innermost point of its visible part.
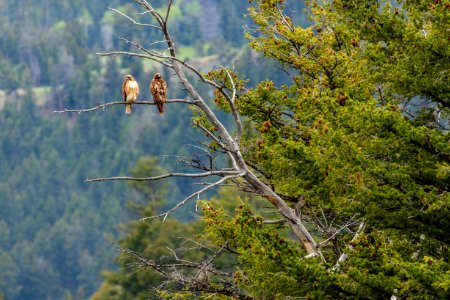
(360, 184)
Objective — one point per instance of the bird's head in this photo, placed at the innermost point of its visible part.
(129, 77)
(158, 76)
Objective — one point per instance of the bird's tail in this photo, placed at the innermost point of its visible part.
(128, 109)
(160, 106)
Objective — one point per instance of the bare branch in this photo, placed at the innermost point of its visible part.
(344, 255)
(199, 74)
(168, 12)
(115, 53)
(233, 108)
(132, 20)
(335, 234)
(191, 196)
(274, 221)
(283, 18)
(192, 175)
(309, 256)
(210, 134)
(103, 106)
(208, 263)
(152, 53)
(176, 257)
(197, 243)
(220, 143)
(149, 8)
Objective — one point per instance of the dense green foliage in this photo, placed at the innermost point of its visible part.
(341, 144)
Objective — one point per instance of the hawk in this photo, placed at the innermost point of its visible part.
(130, 91)
(158, 88)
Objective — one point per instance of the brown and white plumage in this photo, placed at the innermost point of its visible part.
(158, 88)
(130, 91)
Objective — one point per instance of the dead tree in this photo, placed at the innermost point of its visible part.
(228, 143)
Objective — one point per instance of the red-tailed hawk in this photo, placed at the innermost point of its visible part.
(130, 91)
(158, 88)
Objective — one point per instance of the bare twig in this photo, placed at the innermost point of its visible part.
(164, 215)
(195, 242)
(176, 257)
(334, 235)
(344, 255)
(208, 263)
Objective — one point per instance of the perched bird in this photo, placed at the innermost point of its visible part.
(130, 91)
(158, 88)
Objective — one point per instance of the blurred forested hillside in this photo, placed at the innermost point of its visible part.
(53, 226)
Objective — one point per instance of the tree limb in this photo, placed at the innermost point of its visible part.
(193, 175)
(344, 255)
(168, 11)
(234, 111)
(114, 53)
(132, 20)
(103, 106)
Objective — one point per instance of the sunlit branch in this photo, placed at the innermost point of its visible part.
(149, 8)
(192, 175)
(132, 20)
(283, 18)
(335, 234)
(133, 54)
(143, 261)
(281, 221)
(228, 151)
(151, 53)
(176, 256)
(197, 243)
(344, 255)
(105, 105)
(208, 263)
(210, 134)
(198, 73)
(164, 215)
(233, 108)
